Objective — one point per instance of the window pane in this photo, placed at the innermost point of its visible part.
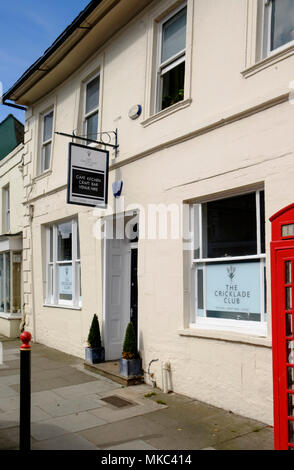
(46, 156)
(92, 126)
(7, 282)
(233, 290)
(1, 283)
(51, 244)
(200, 291)
(174, 35)
(79, 282)
(173, 83)
(196, 230)
(262, 222)
(230, 227)
(92, 95)
(78, 242)
(48, 126)
(50, 290)
(16, 279)
(65, 282)
(64, 241)
(282, 23)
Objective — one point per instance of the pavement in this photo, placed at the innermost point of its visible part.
(75, 409)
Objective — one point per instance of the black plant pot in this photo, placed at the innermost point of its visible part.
(129, 367)
(95, 355)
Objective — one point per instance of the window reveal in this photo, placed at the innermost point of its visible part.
(46, 144)
(228, 259)
(91, 108)
(10, 282)
(63, 264)
(171, 70)
(278, 29)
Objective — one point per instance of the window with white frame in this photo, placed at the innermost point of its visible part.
(46, 141)
(228, 264)
(91, 108)
(6, 208)
(278, 24)
(63, 267)
(10, 282)
(171, 59)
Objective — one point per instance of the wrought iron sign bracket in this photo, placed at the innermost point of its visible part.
(114, 146)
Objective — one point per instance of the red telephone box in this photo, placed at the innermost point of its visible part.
(282, 283)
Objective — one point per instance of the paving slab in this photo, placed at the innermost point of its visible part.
(68, 412)
(65, 442)
(132, 445)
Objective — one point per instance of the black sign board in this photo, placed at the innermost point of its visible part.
(87, 176)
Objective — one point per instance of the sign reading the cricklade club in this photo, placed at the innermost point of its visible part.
(233, 291)
(87, 176)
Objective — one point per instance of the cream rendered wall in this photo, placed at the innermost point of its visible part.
(231, 132)
(11, 173)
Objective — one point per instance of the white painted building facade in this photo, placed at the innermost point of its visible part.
(213, 147)
(11, 244)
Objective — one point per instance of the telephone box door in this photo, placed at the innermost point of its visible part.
(282, 274)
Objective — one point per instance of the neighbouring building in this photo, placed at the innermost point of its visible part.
(11, 223)
(198, 94)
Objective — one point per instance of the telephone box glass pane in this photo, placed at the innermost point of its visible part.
(290, 378)
(291, 432)
(291, 404)
(288, 299)
(288, 230)
(290, 352)
(289, 325)
(288, 277)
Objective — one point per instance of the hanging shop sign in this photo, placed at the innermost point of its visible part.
(87, 176)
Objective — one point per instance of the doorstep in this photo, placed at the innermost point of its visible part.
(110, 370)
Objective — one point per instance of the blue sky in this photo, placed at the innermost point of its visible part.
(28, 28)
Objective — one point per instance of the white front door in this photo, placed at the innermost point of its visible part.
(117, 296)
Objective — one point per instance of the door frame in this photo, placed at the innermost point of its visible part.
(107, 219)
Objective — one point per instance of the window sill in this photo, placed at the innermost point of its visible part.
(67, 307)
(10, 316)
(166, 112)
(226, 336)
(42, 175)
(272, 59)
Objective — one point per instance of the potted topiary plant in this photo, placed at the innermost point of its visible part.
(130, 362)
(95, 352)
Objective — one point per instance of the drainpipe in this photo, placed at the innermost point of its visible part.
(165, 375)
(31, 216)
(151, 376)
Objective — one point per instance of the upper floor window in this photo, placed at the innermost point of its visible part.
(278, 24)
(171, 59)
(46, 141)
(91, 108)
(6, 208)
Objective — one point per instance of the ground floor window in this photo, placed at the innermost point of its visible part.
(10, 282)
(228, 264)
(63, 267)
